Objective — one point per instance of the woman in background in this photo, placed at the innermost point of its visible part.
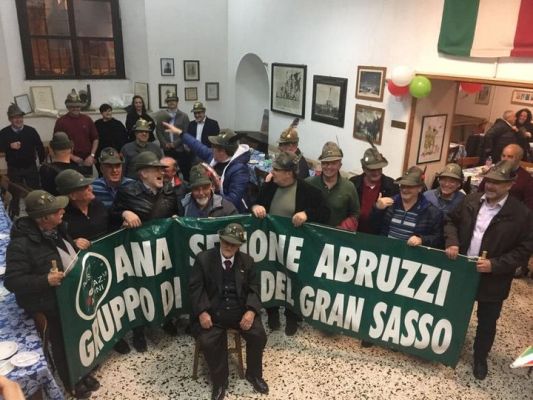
(137, 110)
(525, 127)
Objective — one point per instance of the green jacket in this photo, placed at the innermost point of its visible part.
(341, 199)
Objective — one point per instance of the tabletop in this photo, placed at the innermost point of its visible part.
(17, 326)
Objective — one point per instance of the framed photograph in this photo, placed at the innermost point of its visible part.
(287, 94)
(370, 83)
(141, 89)
(211, 91)
(329, 100)
(23, 102)
(164, 90)
(43, 98)
(522, 97)
(483, 96)
(191, 94)
(431, 138)
(368, 123)
(191, 70)
(167, 66)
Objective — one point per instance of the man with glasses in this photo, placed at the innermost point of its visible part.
(202, 126)
(497, 230)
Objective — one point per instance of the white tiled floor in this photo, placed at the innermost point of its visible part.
(312, 366)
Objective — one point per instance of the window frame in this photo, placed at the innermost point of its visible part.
(25, 38)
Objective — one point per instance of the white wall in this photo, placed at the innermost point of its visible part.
(252, 93)
(333, 38)
(186, 30)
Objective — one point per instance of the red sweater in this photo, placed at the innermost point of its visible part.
(81, 130)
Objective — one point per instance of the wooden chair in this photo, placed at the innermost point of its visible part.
(231, 350)
(41, 323)
(468, 162)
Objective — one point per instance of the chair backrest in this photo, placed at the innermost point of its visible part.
(41, 323)
(467, 162)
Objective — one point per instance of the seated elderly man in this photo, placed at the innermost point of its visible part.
(106, 187)
(203, 202)
(144, 200)
(448, 195)
(224, 294)
(288, 196)
(228, 158)
(39, 250)
(339, 193)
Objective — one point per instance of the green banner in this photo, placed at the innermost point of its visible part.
(412, 299)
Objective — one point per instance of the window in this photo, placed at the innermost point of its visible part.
(71, 39)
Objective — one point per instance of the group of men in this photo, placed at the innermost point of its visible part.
(140, 182)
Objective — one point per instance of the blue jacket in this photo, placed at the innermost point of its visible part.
(236, 175)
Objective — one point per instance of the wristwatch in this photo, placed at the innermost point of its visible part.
(92, 155)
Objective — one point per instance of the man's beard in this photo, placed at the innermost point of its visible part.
(202, 202)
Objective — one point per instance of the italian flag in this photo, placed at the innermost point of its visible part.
(525, 359)
(487, 28)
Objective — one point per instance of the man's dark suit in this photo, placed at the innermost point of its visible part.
(205, 289)
(211, 128)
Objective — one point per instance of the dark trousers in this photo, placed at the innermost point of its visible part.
(55, 335)
(24, 179)
(214, 345)
(290, 315)
(488, 313)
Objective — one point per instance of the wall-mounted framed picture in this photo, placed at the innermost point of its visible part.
(329, 100)
(167, 66)
(23, 102)
(191, 94)
(211, 91)
(43, 98)
(141, 89)
(370, 83)
(191, 70)
(287, 94)
(431, 138)
(522, 97)
(368, 123)
(483, 96)
(164, 90)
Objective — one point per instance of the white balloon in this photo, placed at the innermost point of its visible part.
(402, 75)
